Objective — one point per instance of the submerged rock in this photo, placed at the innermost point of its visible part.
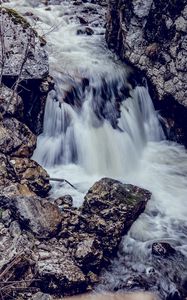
(162, 249)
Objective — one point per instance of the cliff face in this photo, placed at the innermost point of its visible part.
(152, 36)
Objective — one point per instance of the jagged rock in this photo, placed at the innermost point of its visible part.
(30, 173)
(110, 208)
(151, 35)
(16, 139)
(40, 216)
(10, 102)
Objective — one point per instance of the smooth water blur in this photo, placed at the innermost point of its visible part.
(97, 125)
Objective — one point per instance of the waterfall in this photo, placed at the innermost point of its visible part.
(96, 124)
(100, 137)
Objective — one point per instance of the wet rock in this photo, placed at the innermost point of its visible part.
(162, 249)
(110, 208)
(86, 30)
(30, 173)
(39, 216)
(16, 139)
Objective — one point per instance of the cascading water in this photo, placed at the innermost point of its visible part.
(97, 125)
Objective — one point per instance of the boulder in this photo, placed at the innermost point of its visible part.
(16, 139)
(109, 209)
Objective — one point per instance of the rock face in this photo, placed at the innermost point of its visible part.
(24, 65)
(152, 35)
(24, 69)
(28, 58)
(64, 250)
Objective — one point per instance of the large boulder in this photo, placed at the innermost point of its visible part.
(152, 36)
(110, 208)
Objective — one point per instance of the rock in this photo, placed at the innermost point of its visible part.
(65, 201)
(65, 250)
(89, 254)
(109, 210)
(41, 296)
(16, 139)
(59, 272)
(10, 102)
(162, 249)
(30, 173)
(28, 52)
(39, 216)
(151, 35)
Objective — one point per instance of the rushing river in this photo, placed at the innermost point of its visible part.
(97, 125)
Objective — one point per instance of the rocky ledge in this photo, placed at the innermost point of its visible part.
(61, 250)
(151, 35)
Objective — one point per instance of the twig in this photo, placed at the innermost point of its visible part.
(63, 180)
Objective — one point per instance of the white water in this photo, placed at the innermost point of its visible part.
(88, 141)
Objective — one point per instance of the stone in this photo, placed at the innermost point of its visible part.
(66, 201)
(29, 173)
(11, 103)
(41, 217)
(89, 254)
(16, 139)
(59, 272)
(109, 209)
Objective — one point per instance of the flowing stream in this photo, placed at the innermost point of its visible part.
(96, 124)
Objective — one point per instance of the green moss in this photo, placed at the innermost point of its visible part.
(16, 17)
(19, 19)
